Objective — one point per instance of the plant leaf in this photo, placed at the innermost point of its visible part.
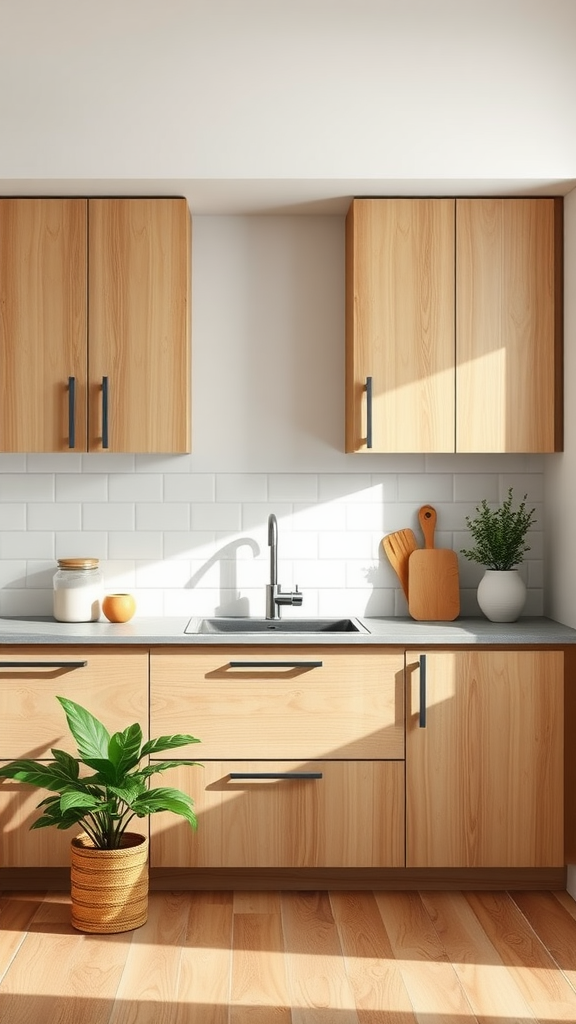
(162, 766)
(45, 776)
(73, 799)
(69, 764)
(167, 743)
(90, 735)
(124, 748)
(166, 800)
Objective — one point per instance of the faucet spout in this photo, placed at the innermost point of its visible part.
(274, 596)
(273, 545)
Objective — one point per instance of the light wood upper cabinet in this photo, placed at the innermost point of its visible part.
(94, 325)
(139, 262)
(454, 314)
(509, 325)
(43, 265)
(400, 325)
(484, 769)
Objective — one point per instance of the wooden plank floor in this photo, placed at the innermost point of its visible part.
(295, 958)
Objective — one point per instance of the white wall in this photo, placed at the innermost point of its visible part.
(287, 89)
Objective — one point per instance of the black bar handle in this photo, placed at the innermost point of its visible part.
(276, 775)
(368, 412)
(422, 722)
(275, 664)
(105, 396)
(71, 412)
(43, 664)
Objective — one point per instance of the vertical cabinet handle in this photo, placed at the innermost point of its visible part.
(368, 412)
(105, 412)
(71, 412)
(422, 720)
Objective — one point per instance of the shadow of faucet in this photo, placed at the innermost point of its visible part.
(226, 557)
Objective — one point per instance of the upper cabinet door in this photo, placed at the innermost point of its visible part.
(139, 284)
(509, 325)
(43, 325)
(400, 325)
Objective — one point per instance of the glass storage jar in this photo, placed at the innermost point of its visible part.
(78, 586)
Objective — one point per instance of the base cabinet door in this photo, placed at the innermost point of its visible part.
(484, 759)
(308, 814)
(111, 683)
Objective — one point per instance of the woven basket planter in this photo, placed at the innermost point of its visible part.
(109, 888)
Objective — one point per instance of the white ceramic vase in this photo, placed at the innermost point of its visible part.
(501, 594)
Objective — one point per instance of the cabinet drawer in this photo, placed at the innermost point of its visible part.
(112, 684)
(282, 702)
(353, 816)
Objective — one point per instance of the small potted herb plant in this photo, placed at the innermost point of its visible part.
(109, 877)
(500, 545)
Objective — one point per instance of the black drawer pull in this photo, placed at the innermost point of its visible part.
(368, 412)
(422, 720)
(275, 775)
(275, 664)
(71, 412)
(43, 664)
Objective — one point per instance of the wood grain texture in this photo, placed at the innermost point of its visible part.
(315, 958)
(352, 817)
(43, 327)
(498, 716)
(509, 363)
(350, 707)
(113, 686)
(139, 323)
(398, 547)
(400, 324)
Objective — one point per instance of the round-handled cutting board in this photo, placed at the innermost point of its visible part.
(433, 580)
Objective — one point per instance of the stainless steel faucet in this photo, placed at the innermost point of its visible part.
(274, 596)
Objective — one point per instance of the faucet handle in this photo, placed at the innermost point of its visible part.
(296, 596)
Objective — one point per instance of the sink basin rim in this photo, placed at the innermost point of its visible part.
(230, 626)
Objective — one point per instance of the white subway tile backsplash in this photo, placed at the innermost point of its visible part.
(107, 462)
(82, 487)
(190, 543)
(26, 487)
(211, 516)
(161, 515)
(12, 463)
(136, 487)
(293, 487)
(241, 487)
(475, 487)
(137, 545)
(13, 516)
(108, 516)
(54, 516)
(13, 572)
(21, 544)
(425, 489)
(189, 487)
(83, 544)
(56, 462)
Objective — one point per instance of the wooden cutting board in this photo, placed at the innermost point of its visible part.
(433, 581)
(398, 547)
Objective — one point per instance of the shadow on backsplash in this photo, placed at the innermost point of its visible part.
(225, 557)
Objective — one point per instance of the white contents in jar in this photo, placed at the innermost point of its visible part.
(77, 604)
(78, 588)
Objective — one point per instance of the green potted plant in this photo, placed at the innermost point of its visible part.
(109, 876)
(500, 546)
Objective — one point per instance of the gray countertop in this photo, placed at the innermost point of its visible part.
(397, 631)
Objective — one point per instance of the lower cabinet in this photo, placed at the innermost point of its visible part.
(286, 814)
(326, 722)
(484, 759)
(112, 683)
